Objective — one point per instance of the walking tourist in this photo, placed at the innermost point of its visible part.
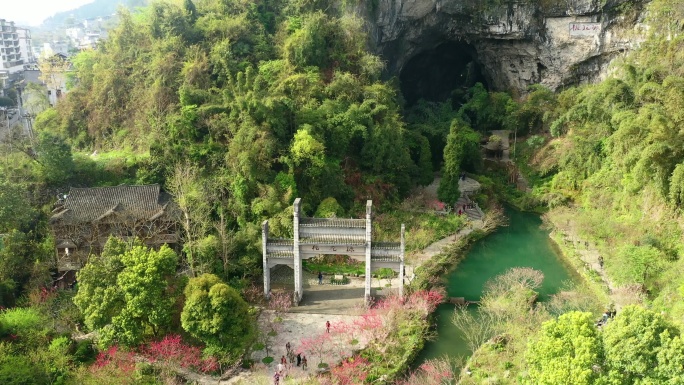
(304, 363)
(327, 326)
(299, 359)
(320, 278)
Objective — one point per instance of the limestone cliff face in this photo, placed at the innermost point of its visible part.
(515, 42)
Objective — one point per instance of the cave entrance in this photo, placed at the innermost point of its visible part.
(443, 72)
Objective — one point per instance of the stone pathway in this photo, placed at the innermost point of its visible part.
(437, 247)
(619, 296)
(474, 213)
(295, 328)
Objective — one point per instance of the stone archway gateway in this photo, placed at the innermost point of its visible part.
(331, 236)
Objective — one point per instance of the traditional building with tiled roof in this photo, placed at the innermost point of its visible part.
(83, 220)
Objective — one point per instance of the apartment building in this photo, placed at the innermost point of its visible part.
(26, 45)
(11, 57)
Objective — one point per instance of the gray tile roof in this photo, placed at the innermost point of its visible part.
(332, 222)
(103, 204)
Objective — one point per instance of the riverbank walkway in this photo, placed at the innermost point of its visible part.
(590, 255)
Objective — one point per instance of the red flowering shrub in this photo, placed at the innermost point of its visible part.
(350, 371)
(114, 363)
(172, 351)
(320, 346)
(437, 205)
(424, 300)
(432, 372)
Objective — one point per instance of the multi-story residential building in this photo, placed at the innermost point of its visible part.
(26, 45)
(74, 34)
(11, 57)
(89, 41)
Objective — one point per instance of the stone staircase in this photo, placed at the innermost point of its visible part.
(474, 213)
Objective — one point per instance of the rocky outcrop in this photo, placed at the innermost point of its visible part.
(515, 42)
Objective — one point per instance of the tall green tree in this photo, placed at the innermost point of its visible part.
(216, 314)
(485, 111)
(637, 265)
(195, 200)
(98, 297)
(642, 347)
(56, 164)
(567, 351)
(126, 293)
(22, 256)
(462, 152)
(433, 121)
(15, 208)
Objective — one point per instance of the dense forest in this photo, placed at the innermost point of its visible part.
(237, 107)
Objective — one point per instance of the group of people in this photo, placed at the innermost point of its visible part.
(608, 314)
(283, 365)
(465, 206)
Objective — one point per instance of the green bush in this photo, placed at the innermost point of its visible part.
(329, 208)
(343, 281)
(535, 141)
(84, 352)
(6, 102)
(23, 325)
(19, 370)
(384, 273)
(216, 314)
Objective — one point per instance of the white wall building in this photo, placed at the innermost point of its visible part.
(75, 34)
(55, 79)
(26, 45)
(89, 41)
(11, 57)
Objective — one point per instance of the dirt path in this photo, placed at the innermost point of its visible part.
(591, 256)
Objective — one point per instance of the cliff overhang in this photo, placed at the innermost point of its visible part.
(507, 44)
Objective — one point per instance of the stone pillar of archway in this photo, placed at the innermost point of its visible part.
(267, 268)
(401, 262)
(298, 287)
(369, 270)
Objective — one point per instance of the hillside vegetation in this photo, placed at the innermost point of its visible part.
(610, 170)
(617, 159)
(237, 107)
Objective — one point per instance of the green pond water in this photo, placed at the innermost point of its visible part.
(522, 244)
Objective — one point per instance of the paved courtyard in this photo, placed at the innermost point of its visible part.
(327, 298)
